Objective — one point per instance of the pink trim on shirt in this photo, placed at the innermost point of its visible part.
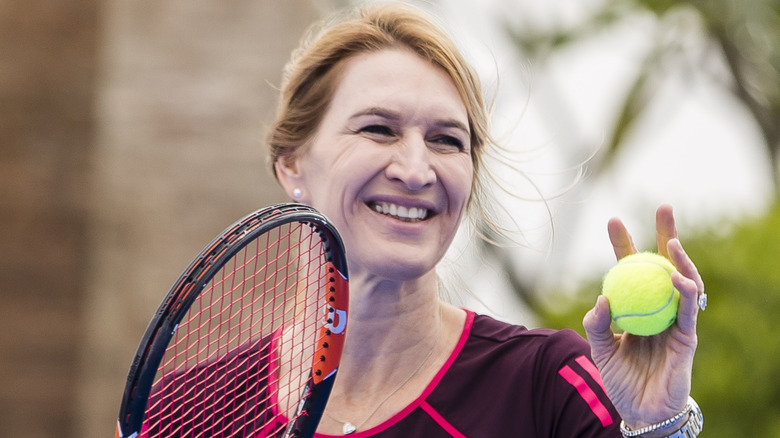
(591, 369)
(428, 390)
(449, 428)
(273, 386)
(461, 342)
(587, 394)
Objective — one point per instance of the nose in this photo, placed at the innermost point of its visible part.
(411, 163)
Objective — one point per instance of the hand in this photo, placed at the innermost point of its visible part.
(648, 378)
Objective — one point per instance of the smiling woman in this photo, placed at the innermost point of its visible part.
(382, 126)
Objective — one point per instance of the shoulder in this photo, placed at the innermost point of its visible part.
(566, 391)
(543, 378)
(548, 355)
(533, 358)
(487, 331)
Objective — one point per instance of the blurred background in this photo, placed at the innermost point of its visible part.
(131, 132)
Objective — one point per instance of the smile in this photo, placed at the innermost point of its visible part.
(400, 212)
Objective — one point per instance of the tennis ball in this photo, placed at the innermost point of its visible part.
(642, 299)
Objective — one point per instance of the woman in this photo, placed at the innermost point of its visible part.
(382, 126)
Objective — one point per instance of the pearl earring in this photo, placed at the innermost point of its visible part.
(297, 193)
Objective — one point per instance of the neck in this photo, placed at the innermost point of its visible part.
(387, 319)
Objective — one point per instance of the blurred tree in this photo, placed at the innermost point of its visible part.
(744, 33)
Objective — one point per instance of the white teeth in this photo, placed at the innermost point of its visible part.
(408, 213)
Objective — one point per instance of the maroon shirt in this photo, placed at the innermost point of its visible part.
(501, 380)
(504, 380)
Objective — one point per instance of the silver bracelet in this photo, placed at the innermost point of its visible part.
(691, 408)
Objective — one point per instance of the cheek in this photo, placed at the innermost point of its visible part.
(459, 181)
(328, 186)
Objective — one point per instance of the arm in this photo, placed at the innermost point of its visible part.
(648, 379)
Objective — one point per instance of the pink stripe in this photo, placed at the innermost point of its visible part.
(449, 428)
(273, 375)
(588, 366)
(273, 387)
(454, 355)
(587, 394)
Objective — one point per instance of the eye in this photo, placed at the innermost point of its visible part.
(448, 143)
(380, 130)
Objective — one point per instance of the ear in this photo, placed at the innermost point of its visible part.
(289, 176)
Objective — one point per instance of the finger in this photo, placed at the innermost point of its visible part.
(688, 310)
(684, 264)
(597, 325)
(688, 281)
(665, 228)
(622, 243)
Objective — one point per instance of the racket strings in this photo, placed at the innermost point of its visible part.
(242, 353)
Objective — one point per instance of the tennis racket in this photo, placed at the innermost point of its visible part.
(248, 340)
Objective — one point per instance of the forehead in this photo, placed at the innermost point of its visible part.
(397, 78)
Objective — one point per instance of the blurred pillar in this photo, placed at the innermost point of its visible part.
(184, 90)
(47, 59)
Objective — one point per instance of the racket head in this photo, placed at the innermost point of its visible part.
(247, 341)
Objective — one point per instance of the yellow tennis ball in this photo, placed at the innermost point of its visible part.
(642, 299)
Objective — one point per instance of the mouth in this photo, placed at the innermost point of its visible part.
(400, 212)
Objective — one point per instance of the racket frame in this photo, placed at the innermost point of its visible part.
(191, 283)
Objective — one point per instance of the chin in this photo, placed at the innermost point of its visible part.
(394, 268)
(405, 269)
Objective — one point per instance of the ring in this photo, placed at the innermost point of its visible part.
(702, 302)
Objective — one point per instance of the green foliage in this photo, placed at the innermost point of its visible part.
(736, 372)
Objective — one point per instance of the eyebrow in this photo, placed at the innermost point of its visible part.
(392, 115)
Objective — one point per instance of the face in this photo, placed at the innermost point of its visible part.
(390, 164)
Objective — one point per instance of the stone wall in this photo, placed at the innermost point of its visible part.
(130, 134)
(48, 60)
